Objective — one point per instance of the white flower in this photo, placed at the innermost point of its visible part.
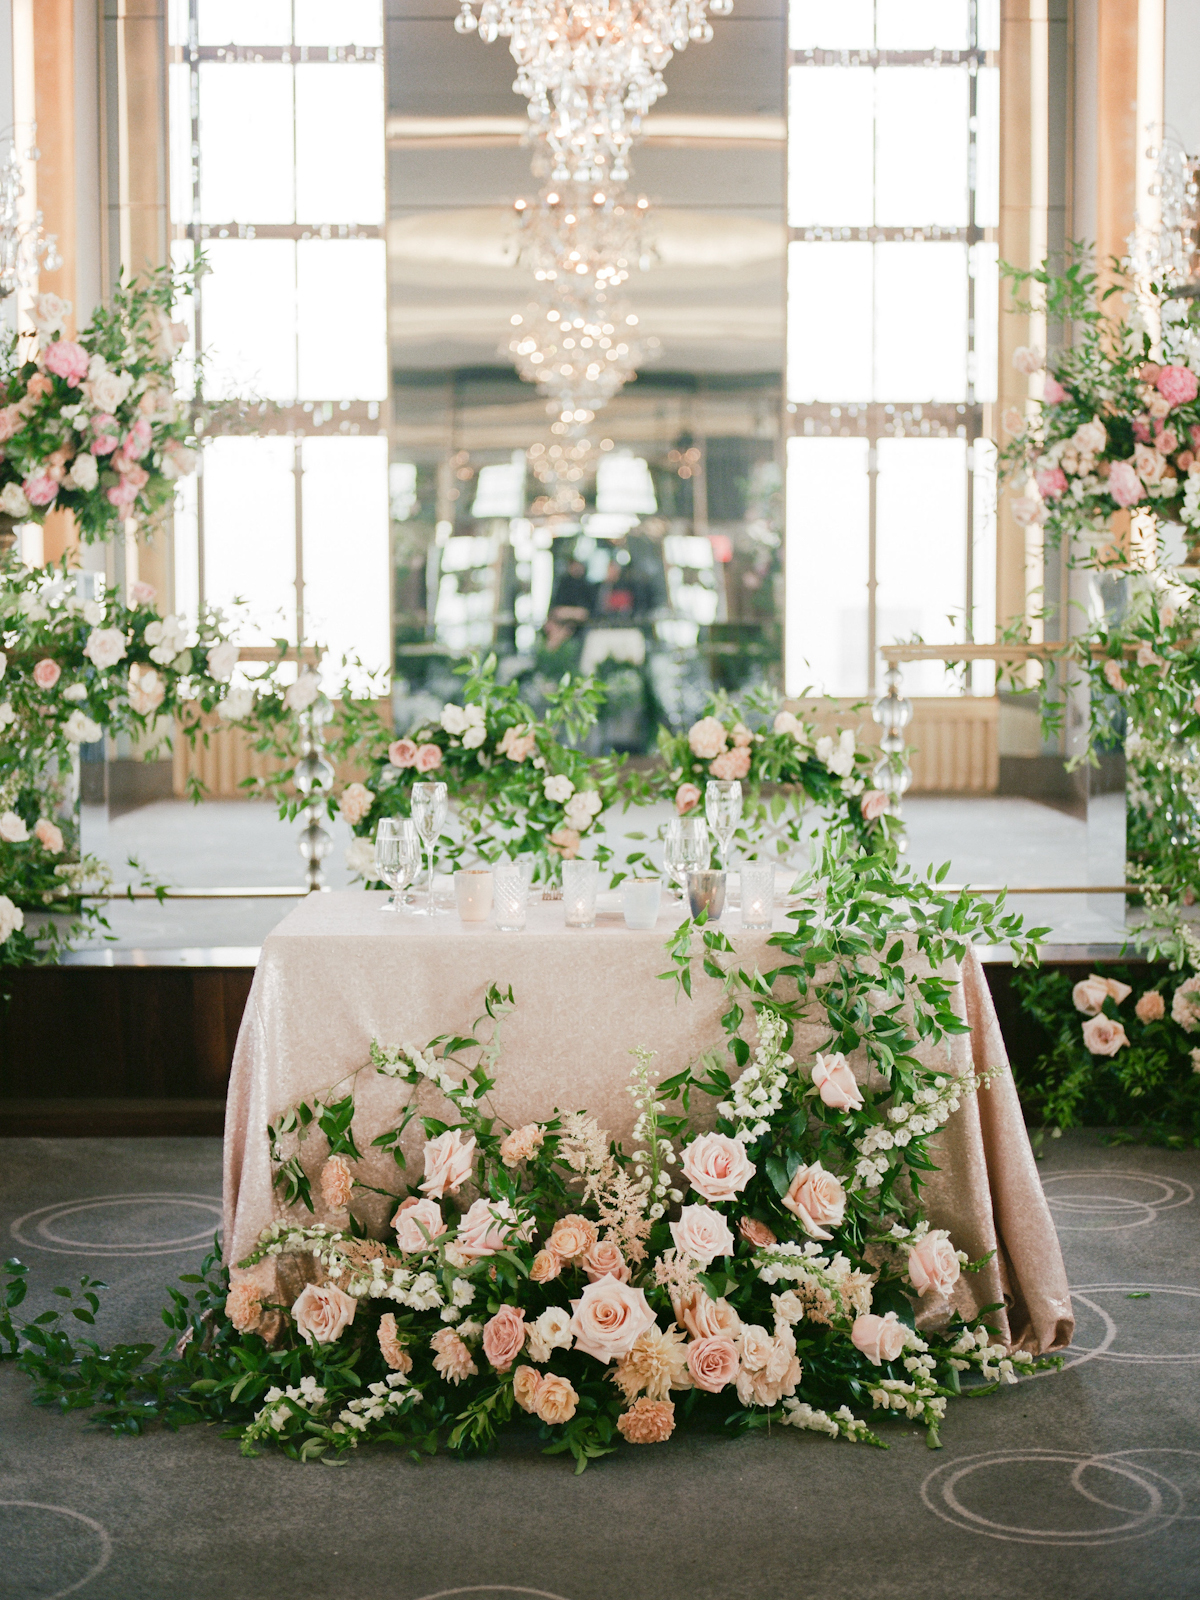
(12, 918)
(80, 729)
(222, 659)
(13, 502)
(789, 722)
(474, 736)
(93, 613)
(558, 788)
(303, 692)
(3, 663)
(50, 313)
(1028, 361)
(360, 857)
(12, 829)
(554, 1328)
(84, 473)
(7, 714)
(106, 390)
(106, 646)
(454, 719)
(838, 758)
(237, 705)
(77, 691)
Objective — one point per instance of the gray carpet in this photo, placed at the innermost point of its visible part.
(1082, 1485)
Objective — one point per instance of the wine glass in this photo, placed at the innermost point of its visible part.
(397, 858)
(429, 815)
(723, 807)
(687, 848)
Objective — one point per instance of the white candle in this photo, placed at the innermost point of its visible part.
(473, 893)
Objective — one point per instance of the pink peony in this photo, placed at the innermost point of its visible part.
(702, 1234)
(817, 1199)
(322, 1312)
(137, 441)
(1053, 392)
(428, 758)
(706, 738)
(337, 1183)
(403, 753)
(833, 1076)
(122, 495)
(416, 1223)
(504, 1337)
(451, 1358)
(66, 360)
(604, 1260)
(48, 836)
(1150, 1007)
(713, 1363)
(1124, 484)
(132, 475)
(731, 764)
(448, 1163)
(879, 1338)
(608, 1318)
(489, 1226)
(104, 434)
(874, 803)
(717, 1166)
(40, 489)
(933, 1265)
(687, 798)
(47, 673)
(1103, 1036)
(647, 1421)
(1051, 482)
(1177, 385)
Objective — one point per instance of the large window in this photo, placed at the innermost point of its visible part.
(277, 176)
(893, 205)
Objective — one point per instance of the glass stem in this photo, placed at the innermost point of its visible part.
(429, 898)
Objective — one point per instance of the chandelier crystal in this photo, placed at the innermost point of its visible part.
(582, 239)
(578, 350)
(24, 248)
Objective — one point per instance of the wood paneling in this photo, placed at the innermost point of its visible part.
(954, 739)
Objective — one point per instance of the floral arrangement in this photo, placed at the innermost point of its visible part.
(763, 1261)
(1118, 1049)
(92, 425)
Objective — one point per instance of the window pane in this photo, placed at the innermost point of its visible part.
(345, 359)
(829, 322)
(816, 25)
(830, 108)
(180, 108)
(235, 22)
(249, 312)
(250, 532)
(919, 24)
(983, 575)
(921, 545)
(921, 147)
(246, 174)
(339, 144)
(827, 526)
(987, 148)
(185, 539)
(920, 322)
(985, 269)
(348, 22)
(987, 25)
(345, 505)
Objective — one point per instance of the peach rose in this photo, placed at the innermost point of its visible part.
(490, 1225)
(833, 1077)
(647, 1421)
(448, 1163)
(742, 735)
(393, 1352)
(337, 1183)
(572, 1237)
(817, 1199)
(1104, 1037)
(47, 673)
(713, 1363)
(702, 1234)
(517, 744)
(1150, 1006)
(874, 803)
(520, 1144)
(706, 738)
(243, 1305)
(566, 842)
(413, 1216)
(322, 1312)
(1113, 675)
(402, 753)
(526, 1383)
(48, 835)
(504, 1337)
(717, 1166)
(879, 1338)
(428, 758)
(687, 798)
(546, 1266)
(933, 1265)
(608, 1317)
(756, 1233)
(356, 801)
(556, 1400)
(731, 764)
(706, 1318)
(451, 1358)
(1091, 992)
(604, 1260)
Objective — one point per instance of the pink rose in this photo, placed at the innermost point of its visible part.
(731, 764)
(702, 1234)
(717, 1166)
(416, 1223)
(448, 1163)
(403, 753)
(604, 1260)
(50, 838)
(1177, 385)
(1166, 440)
(122, 495)
(1089, 995)
(11, 420)
(47, 673)
(933, 1265)
(428, 758)
(40, 489)
(817, 1199)
(526, 1383)
(504, 1336)
(67, 360)
(137, 441)
(142, 593)
(1113, 675)
(555, 1401)
(687, 798)
(706, 1318)
(874, 803)
(713, 1363)
(356, 801)
(1150, 1006)
(1124, 484)
(1147, 463)
(322, 1311)
(833, 1076)
(880, 1338)
(489, 1226)
(706, 738)
(608, 1318)
(104, 434)
(1053, 392)
(1051, 482)
(1103, 1036)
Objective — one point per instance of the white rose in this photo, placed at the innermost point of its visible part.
(454, 719)
(50, 312)
(3, 663)
(77, 691)
(237, 705)
(7, 714)
(106, 646)
(554, 1328)
(12, 829)
(93, 613)
(222, 659)
(80, 729)
(558, 788)
(839, 757)
(11, 918)
(474, 736)
(107, 390)
(303, 692)
(84, 473)
(154, 633)
(13, 502)
(360, 857)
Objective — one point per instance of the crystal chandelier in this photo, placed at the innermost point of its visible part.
(579, 351)
(591, 70)
(582, 238)
(23, 246)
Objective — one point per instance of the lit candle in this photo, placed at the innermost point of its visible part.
(473, 893)
(758, 894)
(581, 880)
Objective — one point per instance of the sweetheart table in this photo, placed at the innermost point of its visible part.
(337, 973)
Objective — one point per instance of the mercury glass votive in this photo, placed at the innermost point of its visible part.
(473, 893)
(510, 894)
(581, 881)
(758, 894)
(706, 892)
(641, 898)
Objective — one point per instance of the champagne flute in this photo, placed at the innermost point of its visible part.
(397, 858)
(686, 849)
(723, 807)
(429, 815)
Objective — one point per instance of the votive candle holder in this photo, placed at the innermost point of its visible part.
(581, 882)
(706, 892)
(473, 893)
(758, 894)
(510, 894)
(641, 898)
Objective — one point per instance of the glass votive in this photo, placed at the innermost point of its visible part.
(641, 898)
(473, 893)
(510, 894)
(581, 881)
(758, 894)
(706, 892)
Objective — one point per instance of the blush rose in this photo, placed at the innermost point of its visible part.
(608, 1318)
(713, 1363)
(414, 1216)
(817, 1199)
(933, 1265)
(504, 1337)
(702, 1234)
(1104, 1037)
(322, 1312)
(47, 673)
(717, 1166)
(448, 1163)
(879, 1338)
(834, 1079)
(687, 798)
(403, 753)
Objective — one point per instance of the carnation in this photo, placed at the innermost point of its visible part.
(1185, 1005)
(337, 1183)
(647, 1422)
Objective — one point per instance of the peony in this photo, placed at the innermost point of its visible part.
(322, 1311)
(604, 1260)
(147, 691)
(390, 1348)
(558, 787)
(47, 673)
(137, 441)
(713, 1363)
(337, 1183)
(756, 1233)
(356, 801)
(520, 1144)
(1053, 392)
(817, 1199)
(451, 1358)
(1113, 675)
(933, 1265)
(705, 1318)
(647, 1421)
(687, 798)
(80, 729)
(416, 1223)
(1150, 1006)
(12, 918)
(608, 1318)
(731, 765)
(706, 738)
(1052, 483)
(874, 803)
(1028, 360)
(448, 1163)
(40, 489)
(105, 647)
(572, 1237)
(243, 1305)
(702, 1234)
(504, 1337)
(1103, 1036)
(104, 435)
(428, 758)
(546, 1267)
(526, 1383)
(48, 835)
(879, 1338)
(69, 361)
(84, 474)
(832, 1076)
(222, 659)
(1124, 484)
(490, 1225)
(555, 1400)
(12, 829)
(403, 753)
(1177, 385)
(717, 1166)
